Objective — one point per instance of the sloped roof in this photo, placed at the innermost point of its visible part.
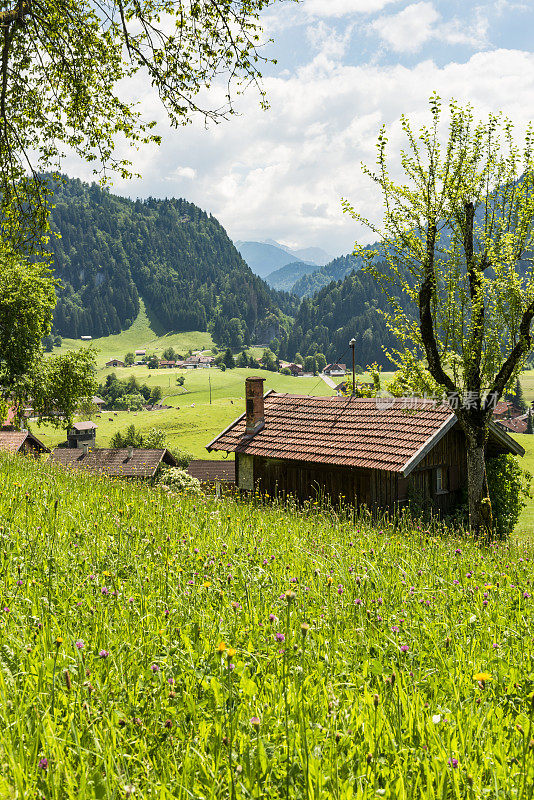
(114, 462)
(388, 434)
(211, 471)
(84, 426)
(12, 441)
(515, 425)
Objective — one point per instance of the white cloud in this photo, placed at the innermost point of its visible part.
(281, 174)
(342, 8)
(182, 172)
(409, 29)
(420, 23)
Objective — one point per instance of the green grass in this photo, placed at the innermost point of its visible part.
(142, 334)
(148, 648)
(191, 422)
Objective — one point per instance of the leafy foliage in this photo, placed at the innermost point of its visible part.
(63, 67)
(61, 383)
(509, 486)
(27, 299)
(179, 480)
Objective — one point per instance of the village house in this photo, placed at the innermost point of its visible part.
(295, 369)
(13, 440)
(362, 451)
(128, 462)
(118, 463)
(165, 364)
(198, 362)
(115, 362)
(506, 410)
(22, 442)
(335, 370)
(82, 434)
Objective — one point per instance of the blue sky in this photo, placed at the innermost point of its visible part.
(343, 68)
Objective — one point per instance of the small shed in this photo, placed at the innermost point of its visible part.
(115, 362)
(127, 462)
(361, 451)
(82, 434)
(23, 442)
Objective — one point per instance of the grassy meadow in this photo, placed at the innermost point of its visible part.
(159, 646)
(144, 333)
(191, 422)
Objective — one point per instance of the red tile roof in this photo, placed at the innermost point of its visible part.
(114, 462)
(211, 471)
(515, 425)
(12, 441)
(349, 431)
(392, 434)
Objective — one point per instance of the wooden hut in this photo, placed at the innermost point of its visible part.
(363, 451)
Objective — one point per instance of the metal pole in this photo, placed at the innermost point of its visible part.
(209, 381)
(352, 344)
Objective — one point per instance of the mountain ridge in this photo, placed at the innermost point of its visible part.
(179, 258)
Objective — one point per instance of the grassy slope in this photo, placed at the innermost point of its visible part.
(132, 591)
(192, 422)
(141, 335)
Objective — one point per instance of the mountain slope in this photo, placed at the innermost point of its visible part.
(113, 250)
(336, 270)
(264, 258)
(284, 278)
(344, 309)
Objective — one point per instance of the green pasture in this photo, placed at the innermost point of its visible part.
(143, 334)
(191, 422)
(162, 646)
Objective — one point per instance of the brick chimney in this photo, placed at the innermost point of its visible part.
(255, 419)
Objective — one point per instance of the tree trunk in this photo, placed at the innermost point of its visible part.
(480, 518)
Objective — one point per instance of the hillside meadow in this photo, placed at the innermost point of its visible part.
(163, 646)
(192, 421)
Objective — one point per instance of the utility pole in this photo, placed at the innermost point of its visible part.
(209, 381)
(352, 344)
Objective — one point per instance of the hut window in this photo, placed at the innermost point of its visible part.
(441, 480)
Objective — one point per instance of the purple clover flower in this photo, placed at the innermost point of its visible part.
(103, 653)
(80, 644)
(43, 764)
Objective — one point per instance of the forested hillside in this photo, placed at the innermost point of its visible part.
(327, 321)
(335, 270)
(113, 250)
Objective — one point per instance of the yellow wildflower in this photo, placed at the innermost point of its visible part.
(482, 676)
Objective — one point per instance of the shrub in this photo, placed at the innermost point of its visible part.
(509, 486)
(178, 480)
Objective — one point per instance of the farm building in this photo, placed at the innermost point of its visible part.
(23, 442)
(119, 463)
(82, 434)
(357, 450)
(335, 370)
(115, 362)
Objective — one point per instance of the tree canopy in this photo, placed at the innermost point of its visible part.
(457, 239)
(64, 69)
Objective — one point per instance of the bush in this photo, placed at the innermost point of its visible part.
(509, 486)
(129, 402)
(130, 438)
(178, 480)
